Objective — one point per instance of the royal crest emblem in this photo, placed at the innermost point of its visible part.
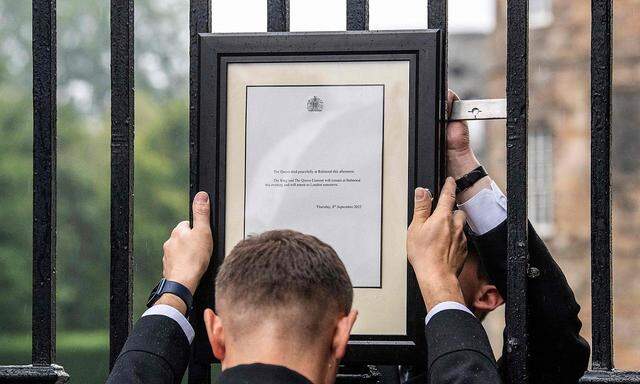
(315, 104)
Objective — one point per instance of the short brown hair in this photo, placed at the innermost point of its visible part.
(281, 269)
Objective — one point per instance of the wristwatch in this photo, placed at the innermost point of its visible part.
(168, 286)
(467, 181)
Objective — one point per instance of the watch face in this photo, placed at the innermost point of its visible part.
(153, 296)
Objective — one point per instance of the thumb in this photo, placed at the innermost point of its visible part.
(422, 205)
(451, 97)
(201, 210)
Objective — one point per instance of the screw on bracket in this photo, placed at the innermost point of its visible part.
(486, 109)
(475, 112)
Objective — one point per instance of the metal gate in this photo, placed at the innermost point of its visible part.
(43, 368)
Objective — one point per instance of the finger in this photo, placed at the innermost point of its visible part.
(459, 219)
(182, 226)
(421, 205)
(447, 199)
(201, 210)
(451, 97)
(165, 247)
(462, 242)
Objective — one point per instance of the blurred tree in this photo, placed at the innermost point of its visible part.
(15, 210)
(161, 154)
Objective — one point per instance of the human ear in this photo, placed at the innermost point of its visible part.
(487, 298)
(341, 335)
(215, 333)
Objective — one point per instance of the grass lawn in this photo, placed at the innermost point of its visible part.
(83, 354)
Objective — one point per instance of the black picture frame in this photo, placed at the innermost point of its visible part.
(422, 48)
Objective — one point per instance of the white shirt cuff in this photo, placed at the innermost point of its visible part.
(169, 311)
(486, 210)
(444, 306)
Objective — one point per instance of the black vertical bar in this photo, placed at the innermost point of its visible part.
(601, 77)
(439, 19)
(199, 22)
(357, 20)
(277, 15)
(122, 132)
(44, 182)
(357, 15)
(517, 229)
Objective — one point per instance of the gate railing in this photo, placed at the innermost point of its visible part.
(43, 368)
(43, 313)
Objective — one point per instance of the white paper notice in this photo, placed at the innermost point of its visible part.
(314, 164)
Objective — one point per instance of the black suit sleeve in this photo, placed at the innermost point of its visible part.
(558, 354)
(156, 351)
(458, 350)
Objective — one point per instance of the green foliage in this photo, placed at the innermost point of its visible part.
(83, 170)
(15, 210)
(161, 190)
(161, 186)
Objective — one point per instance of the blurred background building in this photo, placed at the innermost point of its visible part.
(559, 144)
(559, 148)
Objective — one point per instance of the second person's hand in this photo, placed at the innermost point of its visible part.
(437, 246)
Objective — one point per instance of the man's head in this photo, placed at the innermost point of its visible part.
(283, 298)
(480, 295)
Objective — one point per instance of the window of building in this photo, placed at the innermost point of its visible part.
(540, 13)
(625, 133)
(540, 179)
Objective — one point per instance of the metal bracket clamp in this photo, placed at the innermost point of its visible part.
(488, 109)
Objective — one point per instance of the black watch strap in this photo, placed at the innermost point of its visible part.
(175, 288)
(467, 181)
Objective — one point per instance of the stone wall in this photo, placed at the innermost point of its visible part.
(560, 102)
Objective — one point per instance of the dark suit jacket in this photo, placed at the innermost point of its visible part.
(558, 354)
(157, 351)
(261, 373)
(458, 350)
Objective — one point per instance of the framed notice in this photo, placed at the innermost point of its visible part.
(327, 134)
(313, 163)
